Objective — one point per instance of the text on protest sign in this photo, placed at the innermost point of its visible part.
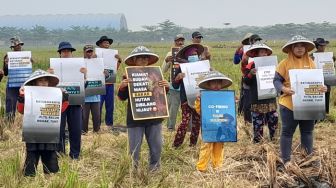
(308, 101)
(148, 99)
(71, 79)
(42, 114)
(19, 67)
(110, 62)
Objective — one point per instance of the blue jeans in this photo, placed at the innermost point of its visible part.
(12, 94)
(73, 116)
(108, 98)
(288, 128)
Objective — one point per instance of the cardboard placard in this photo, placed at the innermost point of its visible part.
(42, 114)
(308, 102)
(71, 79)
(266, 67)
(95, 77)
(194, 73)
(19, 67)
(148, 100)
(325, 62)
(218, 116)
(110, 63)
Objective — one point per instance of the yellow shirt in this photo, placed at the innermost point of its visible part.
(292, 62)
(198, 105)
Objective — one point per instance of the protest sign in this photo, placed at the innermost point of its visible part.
(71, 79)
(308, 101)
(324, 61)
(265, 67)
(95, 77)
(194, 73)
(218, 114)
(110, 63)
(148, 100)
(19, 67)
(42, 114)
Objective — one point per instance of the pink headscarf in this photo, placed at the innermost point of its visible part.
(190, 51)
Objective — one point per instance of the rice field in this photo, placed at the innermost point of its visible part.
(105, 161)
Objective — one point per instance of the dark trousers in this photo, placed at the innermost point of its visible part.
(49, 161)
(108, 98)
(327, 98)
(12, 94)
(288, 128)
(94, 107)
(259, 120)
(246, 106)
(187, 114)
(73, 116)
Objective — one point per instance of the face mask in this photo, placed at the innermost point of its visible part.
(193, 58)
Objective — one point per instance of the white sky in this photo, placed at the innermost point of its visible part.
(187, 13)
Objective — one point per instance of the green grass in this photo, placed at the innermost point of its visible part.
(104, 157)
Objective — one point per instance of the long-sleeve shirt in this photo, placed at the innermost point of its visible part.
(166, 66)
(251, 81)
(179, 84)
(42, 146)
(5, 66)
(238, 56)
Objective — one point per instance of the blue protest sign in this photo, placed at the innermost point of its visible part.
(218, 114)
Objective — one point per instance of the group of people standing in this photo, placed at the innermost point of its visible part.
(258, 112)
(262, 112)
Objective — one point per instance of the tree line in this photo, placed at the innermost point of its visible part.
(165, 31)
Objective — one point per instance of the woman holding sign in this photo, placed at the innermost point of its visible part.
(263, 111)
(187, 54)
(297, 49)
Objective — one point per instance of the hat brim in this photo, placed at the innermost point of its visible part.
(308, 44)
(72, 49)
(53, 80)
(21, 43)
(226, 82)
(321, 44)
(89, 49)
(153, 58)
(179, 38)
(198, 36)
(181, 52)
(101, 40)
(252, 52)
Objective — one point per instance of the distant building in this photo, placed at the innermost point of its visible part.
(65, 21)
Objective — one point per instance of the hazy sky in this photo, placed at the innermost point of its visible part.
(188, 13)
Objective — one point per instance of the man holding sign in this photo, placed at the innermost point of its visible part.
(263, 111)
(95, 83)
(42, 107)
(73, 115)
(17, 66)
(174, 94)
(104, 43)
